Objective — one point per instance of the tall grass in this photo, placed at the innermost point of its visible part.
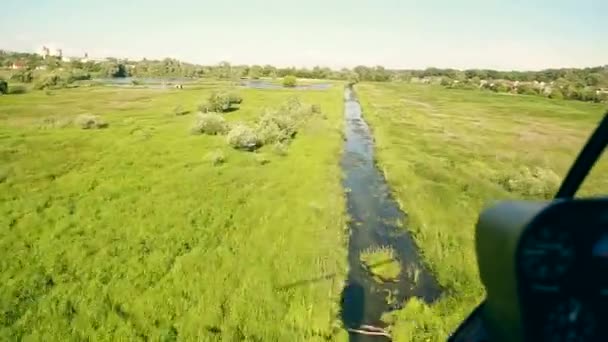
(448, 153)
(107, 236)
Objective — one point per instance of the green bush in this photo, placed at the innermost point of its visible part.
(290, 81)
(275, 126)
(17, 89)
(77, 75)
(500, 88)
(243, 137)
(48, 81)
(3, 87)
(24, 76)
(556, 93)
(209, 123)
(234, 98)
(89, 121)
(525, 89)
(220, 102)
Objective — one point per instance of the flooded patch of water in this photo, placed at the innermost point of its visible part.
(375, 221)
(265, 84)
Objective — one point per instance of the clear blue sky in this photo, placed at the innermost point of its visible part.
(509, 34)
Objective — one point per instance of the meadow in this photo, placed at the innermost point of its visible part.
(448, 153)
(138, 232)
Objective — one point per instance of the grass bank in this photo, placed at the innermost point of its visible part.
(446, 154)
(132, 233)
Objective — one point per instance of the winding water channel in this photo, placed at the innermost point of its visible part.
(375, 221)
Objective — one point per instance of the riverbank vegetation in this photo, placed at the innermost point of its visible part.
(446, 153)
(142, 231)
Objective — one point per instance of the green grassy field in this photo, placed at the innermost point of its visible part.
(131, 232)
(446, 153)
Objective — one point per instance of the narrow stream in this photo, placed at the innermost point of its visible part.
(375, 218)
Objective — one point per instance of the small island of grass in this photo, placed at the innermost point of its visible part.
(382, 263)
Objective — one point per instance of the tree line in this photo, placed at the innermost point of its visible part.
(586, 84)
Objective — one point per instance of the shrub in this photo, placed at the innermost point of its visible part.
(220, 102)
(501, 88)
(275, 126)
(269, 131)
(3, 87)
(525, 89)
(17, 89)
(49, 81)
(234, 98)
(77, 75)
(89, 121)
(216, 157)
(290, 81)
(243, 137)
(24, 76)
(556, 93)
(209, 123)
(315, 108)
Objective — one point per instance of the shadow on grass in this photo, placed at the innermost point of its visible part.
(230, 109)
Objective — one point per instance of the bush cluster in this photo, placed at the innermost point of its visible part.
(275, 127)
(220, 102)
(210, 123)
(290, 81)
(243, 137)
(60, 80)
(49, 81)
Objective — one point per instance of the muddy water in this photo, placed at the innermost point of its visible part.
(376, 220)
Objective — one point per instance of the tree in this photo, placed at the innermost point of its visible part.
(556, 94)
(593, 79)
(113, 69)
(363, 73)
(526, 89)
(24, 76)
(255, 72)
(289, 81)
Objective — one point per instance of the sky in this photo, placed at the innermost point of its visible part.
(503, 35)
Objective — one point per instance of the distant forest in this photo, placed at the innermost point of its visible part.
(585, 84)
